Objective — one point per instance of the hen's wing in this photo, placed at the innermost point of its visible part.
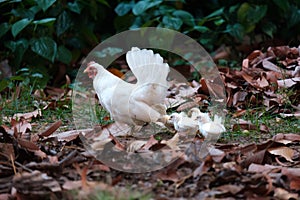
(151, 73)
(147, 66)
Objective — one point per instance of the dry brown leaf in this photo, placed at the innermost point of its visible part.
(285, 152)
(264, 128)
(262, 82)
(40, 154)
(244, 126)
(99, 145)
(7, 150)
(68, 136)
(151, 142)
(51, 129)
(282, 194)
(257, 158)
(117, 144)
(173, 142)
(287, 83)
(239, 96)
(28, 145)
(254, 55)
(262, 168)
(136, 145)
(293, 175)
(21, 126)
(286, 138)
(27, 115)
(270, 66)
(239, 113)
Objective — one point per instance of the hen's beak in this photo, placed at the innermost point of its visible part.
(86, 70)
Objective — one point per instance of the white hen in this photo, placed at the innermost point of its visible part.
(133, 104)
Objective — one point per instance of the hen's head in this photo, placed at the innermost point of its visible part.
(91, 69)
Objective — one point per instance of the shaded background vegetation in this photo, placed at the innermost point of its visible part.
(43, 39)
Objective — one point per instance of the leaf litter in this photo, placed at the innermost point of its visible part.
(50, 163)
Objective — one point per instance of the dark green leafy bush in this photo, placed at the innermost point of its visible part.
(216, 22)
(37, 32)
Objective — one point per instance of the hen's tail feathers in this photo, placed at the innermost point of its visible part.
(147, 66)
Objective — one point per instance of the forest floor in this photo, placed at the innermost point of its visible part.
(43, 156)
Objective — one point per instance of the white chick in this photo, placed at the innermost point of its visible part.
(210, 128)
(182, 122)
(194, 113)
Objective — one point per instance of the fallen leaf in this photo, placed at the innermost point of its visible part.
(293, 175)
(22, 126)
(151, 142)
(270, 66)
(51, 129)
(28, 115)
(285, 152)
(257, 158)
(297, 115)
(282, 194)
(173, 142)
(239, 96)
(28, 145)
(287, 83)
(136, 145)
(286, 138)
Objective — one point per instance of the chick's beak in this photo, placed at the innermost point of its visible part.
(164, 119)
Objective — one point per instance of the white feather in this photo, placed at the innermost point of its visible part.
(134, 104)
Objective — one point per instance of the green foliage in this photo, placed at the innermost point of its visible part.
(29, 78)
(41, 32)
(215, 22)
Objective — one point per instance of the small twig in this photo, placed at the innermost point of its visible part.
(23, 167)
(67, 160)
(13, 163)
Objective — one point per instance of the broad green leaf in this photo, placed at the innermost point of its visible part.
(23, 13)
(201, 29)
(172, 22)
(4, 28)
(10, 45)
(64, 55)
(63, 23)
(219, 21)
(185, 16)
(144, 5)
(75, 7)
(294, 17)
(35, 9)
(282, 4)
(19, 26)
(3, 84)
(215, 13)
(124, 7)
(269, 28)
(235, 30)
(18, 48)
(45, 22)
(257, 13)
(45, 4)
(45, 47)
(248, 14)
